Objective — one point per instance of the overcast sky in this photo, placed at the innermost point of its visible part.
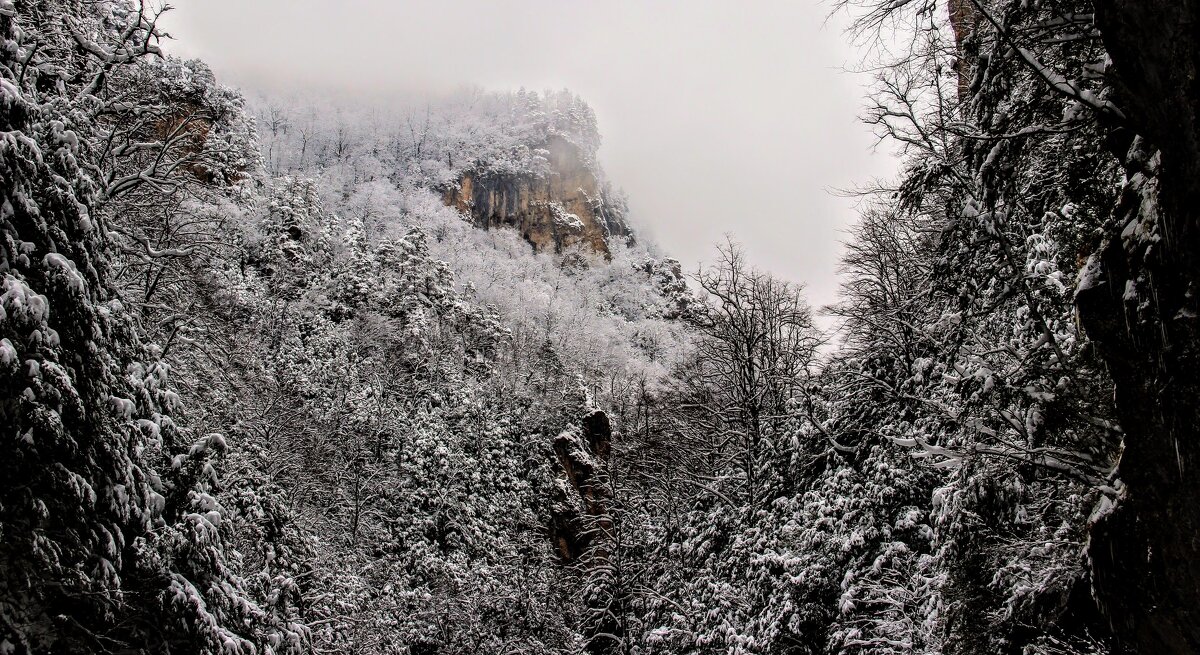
(717, 116)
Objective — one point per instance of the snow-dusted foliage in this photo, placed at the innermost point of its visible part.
(113, 536)
(940, 473)
(427, 144)
(264, 388)
(389, 378)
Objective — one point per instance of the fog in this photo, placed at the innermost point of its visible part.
(718, 117)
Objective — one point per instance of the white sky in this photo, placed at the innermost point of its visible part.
(727, 116)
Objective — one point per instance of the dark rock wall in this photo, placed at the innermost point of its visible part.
(1140, 306)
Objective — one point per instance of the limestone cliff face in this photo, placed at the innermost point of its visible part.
(558, 209)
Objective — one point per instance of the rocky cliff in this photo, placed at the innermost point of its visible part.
(564, 206)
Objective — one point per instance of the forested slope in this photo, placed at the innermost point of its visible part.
(280, 374)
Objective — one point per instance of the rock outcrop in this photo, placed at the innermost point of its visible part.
(583, 528)
(580, 512)
(565, 206)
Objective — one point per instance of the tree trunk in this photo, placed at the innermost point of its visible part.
(1138, 303)
(963, 20)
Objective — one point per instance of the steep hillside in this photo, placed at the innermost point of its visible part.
(286, 376)
(521, 160)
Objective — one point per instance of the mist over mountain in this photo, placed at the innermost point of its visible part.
(294, 372)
